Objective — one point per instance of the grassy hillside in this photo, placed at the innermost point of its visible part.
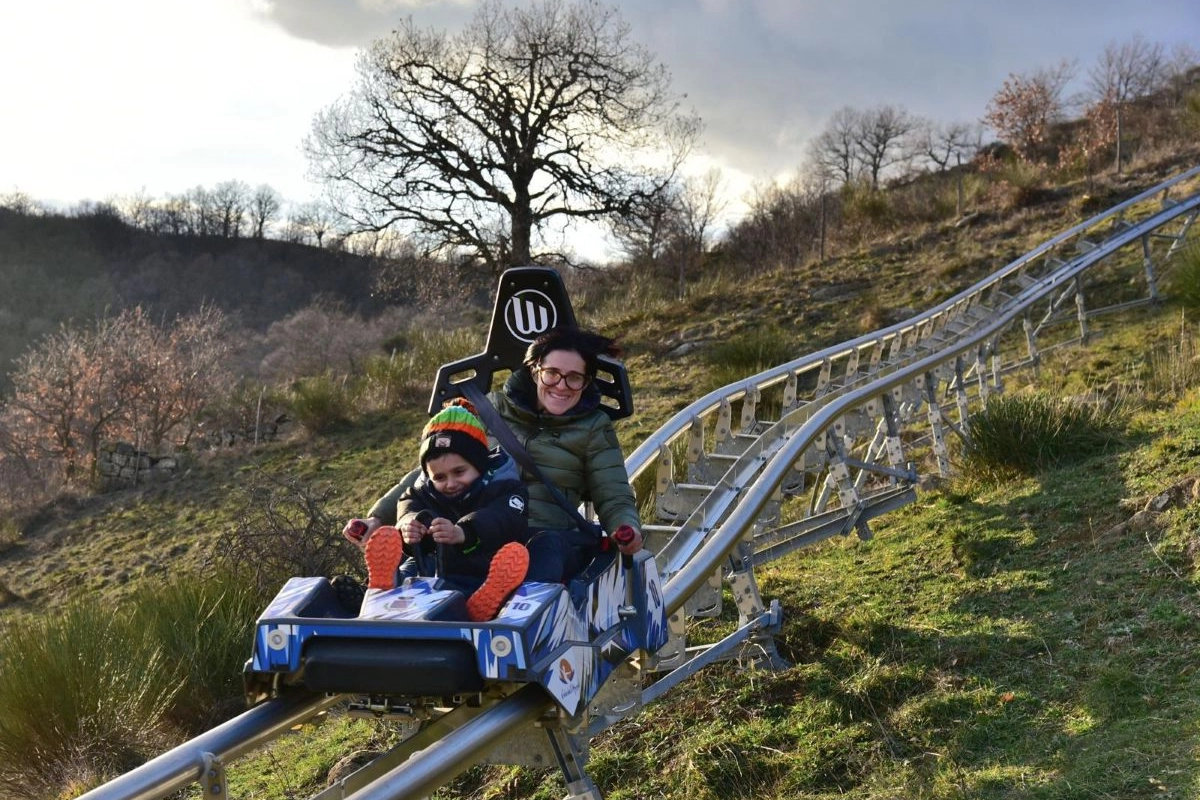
(1029, 639)
(1034, 639)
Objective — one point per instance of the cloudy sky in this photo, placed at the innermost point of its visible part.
(112, 98)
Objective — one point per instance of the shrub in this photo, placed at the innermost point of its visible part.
(249, 412)
(83, 694)
(125, 379)
(1189, 118)
(318, 338)
(751, 352)
(406, 374)
(1024, 434)
(1021, 184)
(282, 530)
(87, 693)
(1184, 281)
(204, 626)
(866, 208)
(321, 404)
(10, 536)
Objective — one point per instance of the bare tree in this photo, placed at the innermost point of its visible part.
(125, 379)
(265, 204)
(175, 216)
(320, 338)
(1124, 72)
(55, 389)
(834, 152)
(138, 210)
(698, 206)
(203, 212)
(783, 224)
(178, 371)
(947, 145)
(1027, 105)
(701, 203)
(529, 114)
(20, 202)
(311, 222)
(1179, 72)
(230, 200)
(879, 139)
(643, 233)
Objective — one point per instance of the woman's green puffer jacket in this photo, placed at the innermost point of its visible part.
(577, 451)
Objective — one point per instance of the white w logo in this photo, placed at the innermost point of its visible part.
(528, 314)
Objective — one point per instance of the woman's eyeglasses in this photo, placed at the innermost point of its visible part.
(549, 376)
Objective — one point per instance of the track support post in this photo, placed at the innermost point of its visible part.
(571, 753)
(212, 778)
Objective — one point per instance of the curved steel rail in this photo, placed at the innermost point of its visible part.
(206, 754)
(647, 452)
(719, 525)
(741, 496)
(814, 443)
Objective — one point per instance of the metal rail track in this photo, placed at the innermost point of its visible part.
(849, 423)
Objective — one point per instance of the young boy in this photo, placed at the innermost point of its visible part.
(467, 512)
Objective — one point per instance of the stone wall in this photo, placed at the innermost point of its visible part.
(122, 465)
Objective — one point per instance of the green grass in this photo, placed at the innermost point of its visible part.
(83, 693)
(749, 352)
(1022, 434)
(322, 404)
(202, 624)
(1008, 639)
(1184, 280)
(404, 377)
(93, 690)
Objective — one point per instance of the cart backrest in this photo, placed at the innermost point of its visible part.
(529, 302)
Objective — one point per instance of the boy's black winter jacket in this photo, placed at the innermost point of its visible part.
(492, 512)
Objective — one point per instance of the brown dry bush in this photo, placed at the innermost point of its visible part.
(282, 530)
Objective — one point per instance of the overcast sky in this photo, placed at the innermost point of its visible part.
(108, 98)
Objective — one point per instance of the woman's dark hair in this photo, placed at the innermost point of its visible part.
(588, 344)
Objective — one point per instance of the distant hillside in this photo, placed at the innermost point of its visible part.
(55, 269)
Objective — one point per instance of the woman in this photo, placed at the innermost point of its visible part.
(553, 406)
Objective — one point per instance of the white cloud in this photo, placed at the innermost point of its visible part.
(156, 95)
(107, 98)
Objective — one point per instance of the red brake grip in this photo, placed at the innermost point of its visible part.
(623, 535)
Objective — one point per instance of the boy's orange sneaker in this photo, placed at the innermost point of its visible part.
(384, 550)
(505, 574)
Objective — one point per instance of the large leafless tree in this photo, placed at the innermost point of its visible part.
(476, 142)
(230, 201)
(834, 152)
(946, 145)
(644, 232)
(265, 205)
